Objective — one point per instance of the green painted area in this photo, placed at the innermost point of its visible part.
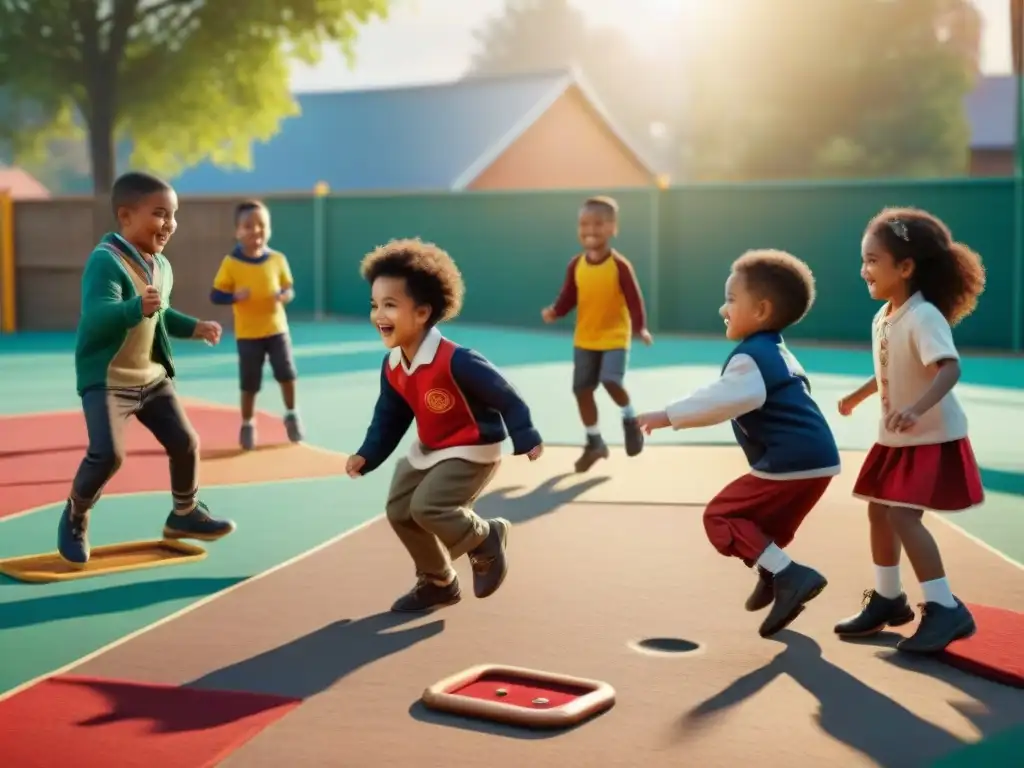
(43, 627)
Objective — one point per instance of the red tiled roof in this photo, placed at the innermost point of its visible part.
(22, 185)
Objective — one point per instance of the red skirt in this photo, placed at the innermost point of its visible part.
(943, 477)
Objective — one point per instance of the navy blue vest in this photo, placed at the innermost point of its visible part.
(789, 432)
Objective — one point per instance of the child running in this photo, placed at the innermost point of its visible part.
(792, 453)
(462, 407)
(923, 458)
(257, 282)
(124, 367)
(601, 285)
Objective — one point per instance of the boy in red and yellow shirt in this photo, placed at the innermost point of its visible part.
(463, 409)
(601, 286)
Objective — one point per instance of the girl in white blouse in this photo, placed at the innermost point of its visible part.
(923, 458)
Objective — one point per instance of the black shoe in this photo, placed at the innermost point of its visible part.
(792, 587)
(593, 452)
(634, 436)
(490, 565)
(197, 524)
(877, 613)
(939, 627)
(427, 596)
(764, 591)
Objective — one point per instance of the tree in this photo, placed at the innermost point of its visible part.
(180, 80)
(844, 88)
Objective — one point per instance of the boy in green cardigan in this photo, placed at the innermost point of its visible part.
(124, 368)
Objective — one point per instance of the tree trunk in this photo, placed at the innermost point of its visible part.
(103, 161)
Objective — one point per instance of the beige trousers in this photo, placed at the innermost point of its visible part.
(431, 511)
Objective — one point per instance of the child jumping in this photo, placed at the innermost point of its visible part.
(601, 285)
(123, 364)
(923, 458)
(792, 453)
(462, 407)
(257, 283)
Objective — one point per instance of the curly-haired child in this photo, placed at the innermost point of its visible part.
(789, 445)
(923, 458)
(463, 409)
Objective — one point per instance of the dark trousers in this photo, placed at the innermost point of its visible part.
(106, 415)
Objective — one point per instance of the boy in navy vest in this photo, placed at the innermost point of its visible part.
(792, 453)
(463, 409)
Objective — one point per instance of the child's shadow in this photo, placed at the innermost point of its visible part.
(851, 712)
(311, 664)
(542, 500)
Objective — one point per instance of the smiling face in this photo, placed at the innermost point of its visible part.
(253, 230)
(596, 229)
(399, 320)
(744, 313)
(886, 278)
(150, 222)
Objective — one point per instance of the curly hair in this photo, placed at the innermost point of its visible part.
(431, 276)
(781, 278)
(948, 274)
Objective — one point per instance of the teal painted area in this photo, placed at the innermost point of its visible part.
(47, 626)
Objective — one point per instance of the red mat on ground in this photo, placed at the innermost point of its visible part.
(994, 651)
(90, 723)
(39, 453)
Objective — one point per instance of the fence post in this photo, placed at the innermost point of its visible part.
(654, 291)
(1017, 43)
(320, 193)
(8, 311)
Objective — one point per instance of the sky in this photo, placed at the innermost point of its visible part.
(426, 41)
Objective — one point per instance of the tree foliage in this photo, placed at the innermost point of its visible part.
(780, 89)
(181, 80)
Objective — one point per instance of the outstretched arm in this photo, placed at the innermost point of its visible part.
(566, 301)
(477, 377)
(739, 390)
(391, 419)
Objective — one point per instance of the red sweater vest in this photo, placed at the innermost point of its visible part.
(443, 417)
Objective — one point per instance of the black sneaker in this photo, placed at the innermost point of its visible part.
(490, 565)
(876, 614)
(764, 591)
(73, 536)
(593, 452)
(197, 524)
(792, 587)
(939, 627)
(427, 596)
(634, 436)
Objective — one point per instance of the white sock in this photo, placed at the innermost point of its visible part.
(773, 559)
(628, 411)
(246, 422)
(887, 581)
(594, 431)
(291, 412)
(938, 591)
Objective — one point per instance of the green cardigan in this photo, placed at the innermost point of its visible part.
(111, 307)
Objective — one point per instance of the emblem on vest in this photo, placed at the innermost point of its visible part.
(438, 400)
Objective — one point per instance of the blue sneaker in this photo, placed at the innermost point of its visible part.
(197, 524)
(72, 537)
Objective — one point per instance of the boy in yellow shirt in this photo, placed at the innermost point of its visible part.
(257, 282)
(601, 286)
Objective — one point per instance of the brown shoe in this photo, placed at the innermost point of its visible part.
(764, 591)
(488, 560)
(593, 452)
(428, 595)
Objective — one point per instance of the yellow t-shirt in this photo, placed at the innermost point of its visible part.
(261, 314)
(608, 302)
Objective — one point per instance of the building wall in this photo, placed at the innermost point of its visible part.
(569, 147)
(992, 162)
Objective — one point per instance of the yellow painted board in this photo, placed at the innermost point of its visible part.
(104, 560)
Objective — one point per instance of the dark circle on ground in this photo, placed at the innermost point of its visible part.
(666, 646)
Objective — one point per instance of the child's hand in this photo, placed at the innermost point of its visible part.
(548, 314)
(285, 295)
(209, 331)
(151, 301)
(846, 405)
(242, 294)
(535, 453)
(646, 338)
(354, 465)
(901, 421)
(653, 420)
